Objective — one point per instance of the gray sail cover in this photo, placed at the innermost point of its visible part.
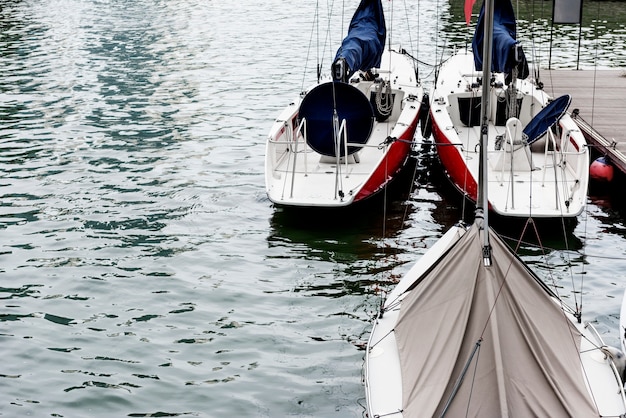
(527, 364)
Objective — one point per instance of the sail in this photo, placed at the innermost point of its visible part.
(364, 44)
(526, 363)
(507, 54)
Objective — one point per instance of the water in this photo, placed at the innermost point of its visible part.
(143, 272)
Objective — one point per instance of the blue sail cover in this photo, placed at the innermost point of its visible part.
(505, 55)
(318, 108)
(365, 42)
(547, 117)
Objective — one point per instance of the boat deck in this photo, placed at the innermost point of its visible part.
(598, 107)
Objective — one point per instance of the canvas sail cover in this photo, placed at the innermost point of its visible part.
(547, 117)
(327, 100)
(507, 55)
(528, 361)
(364, 44)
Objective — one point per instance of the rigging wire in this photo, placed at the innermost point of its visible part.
(408, 25)
(576, 313)
(535, 50)
(308, 53)
(379, 93)
(416, 64)
(457, 384)
(383, 107)
(585, 215)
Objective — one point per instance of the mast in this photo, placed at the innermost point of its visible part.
(482, 202)
(483, 209)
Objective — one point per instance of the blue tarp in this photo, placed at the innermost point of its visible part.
(547, 117)
(365, 41)
(504, 58)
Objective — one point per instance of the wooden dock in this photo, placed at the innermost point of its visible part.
(598, 107)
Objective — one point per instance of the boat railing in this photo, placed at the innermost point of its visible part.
(565, 153)
(282, 135)
(563, 161)
(295, 138)
(343, 134)
(293, 147)
(293, 141)
(513, 155)
(602, 346)
(288, 133)
(567, 156)
(574, 147)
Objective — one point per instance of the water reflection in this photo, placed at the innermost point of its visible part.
(353, 240)
(610, 198)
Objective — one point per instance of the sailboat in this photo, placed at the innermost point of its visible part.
(537, 157)
(472, 331)
(345, 138)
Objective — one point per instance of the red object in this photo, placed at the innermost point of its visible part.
(469, 4)
(601, 170)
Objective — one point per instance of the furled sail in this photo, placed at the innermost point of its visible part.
(364, 44)
(507, 54)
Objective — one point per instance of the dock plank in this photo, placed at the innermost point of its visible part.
(600, 97)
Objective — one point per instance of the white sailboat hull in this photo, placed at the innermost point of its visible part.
(297, 175)
(545, 180)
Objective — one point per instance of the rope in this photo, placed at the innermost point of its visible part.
(384, 99)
